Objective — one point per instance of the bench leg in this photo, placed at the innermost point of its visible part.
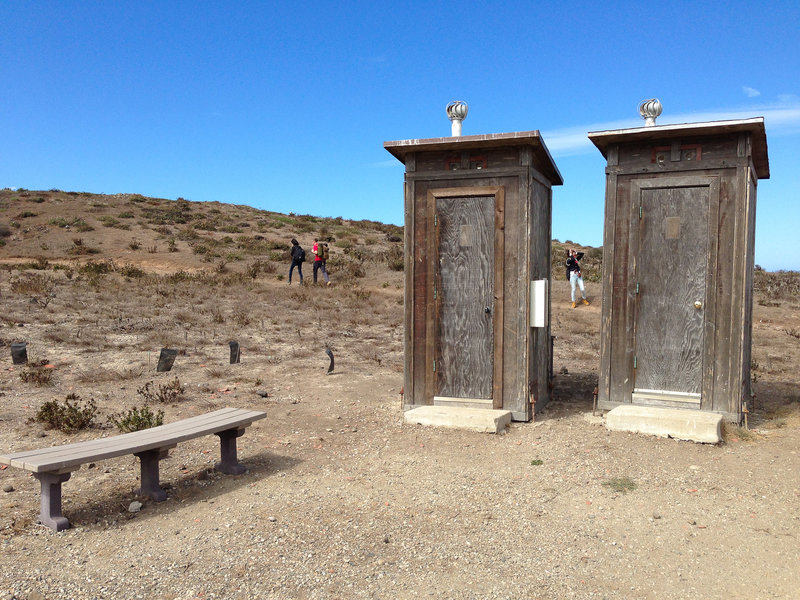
(51, 516)
(227, 449)
(151, 486)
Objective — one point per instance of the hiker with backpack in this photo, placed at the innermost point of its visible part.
(321, 254)
(298, 258)
(575, 276)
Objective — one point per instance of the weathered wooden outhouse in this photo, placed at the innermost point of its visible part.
(477, 267)
(678, 264)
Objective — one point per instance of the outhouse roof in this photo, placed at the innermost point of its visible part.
(754, 126)
(400, 148)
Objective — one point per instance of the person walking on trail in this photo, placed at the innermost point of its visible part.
(320, 251)
(298, 258)
(575, 276)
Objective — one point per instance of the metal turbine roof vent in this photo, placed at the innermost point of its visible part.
(650, 109)
(457, 112)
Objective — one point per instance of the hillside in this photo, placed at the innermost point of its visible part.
(341, 499)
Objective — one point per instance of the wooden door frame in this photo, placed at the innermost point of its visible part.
(498, 192)
(712, 182)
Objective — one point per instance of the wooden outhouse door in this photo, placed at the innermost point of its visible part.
(674, 266)
(464, 297)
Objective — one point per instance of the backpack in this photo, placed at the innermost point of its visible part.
(301, 256)
(323, 252)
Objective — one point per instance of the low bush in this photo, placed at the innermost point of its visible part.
(108, 221)
(32, 284)
(37, 375)
(776, 285)
(97, 268)
(169, 393)
(131, 271)
(136, 419)
(79, 249)
(395, 258)
(75, 223)
(73, 415)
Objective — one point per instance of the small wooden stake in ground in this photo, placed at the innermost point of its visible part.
(235, 352)
(330, 355)
(19, 353)
(166, 360)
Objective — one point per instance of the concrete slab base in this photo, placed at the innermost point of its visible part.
(484, 420)
(693, 425)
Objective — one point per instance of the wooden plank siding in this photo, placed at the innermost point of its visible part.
(539, 256)
(726, 158)
(516, 171)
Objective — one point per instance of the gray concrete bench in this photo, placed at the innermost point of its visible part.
(53, 466)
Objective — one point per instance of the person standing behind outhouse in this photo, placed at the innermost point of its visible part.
(575, 276)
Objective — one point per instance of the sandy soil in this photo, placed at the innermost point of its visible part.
(341, 499)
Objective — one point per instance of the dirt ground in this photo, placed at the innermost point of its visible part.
(343, 500)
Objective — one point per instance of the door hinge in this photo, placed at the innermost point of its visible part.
(435, 220)
(434, 366)
(640, 212)
(434, 293)
(634, 362)
(637, 287)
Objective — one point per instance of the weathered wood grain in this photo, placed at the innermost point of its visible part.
(465, 344)
(671, 276)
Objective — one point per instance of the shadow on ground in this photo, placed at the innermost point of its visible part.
(197, 486)
(573, 393)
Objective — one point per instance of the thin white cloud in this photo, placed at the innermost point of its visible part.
(779, 119)
(750, 92)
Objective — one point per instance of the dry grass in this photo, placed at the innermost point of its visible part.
(224, 278)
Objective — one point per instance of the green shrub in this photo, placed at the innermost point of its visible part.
(108, 221)
(131, 271)
(169, 393)
(136, 419)
(68, 417)
(76, 223)
(96, 268)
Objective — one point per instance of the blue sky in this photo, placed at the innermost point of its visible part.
(285, 105)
